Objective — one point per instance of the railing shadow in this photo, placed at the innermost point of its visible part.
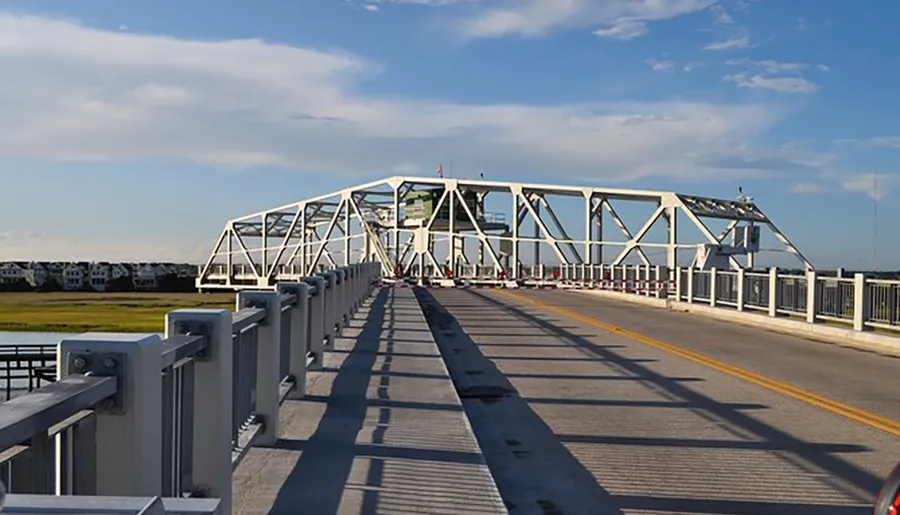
(813, 457)
(535, 472)
(327, 457)
(372, 451)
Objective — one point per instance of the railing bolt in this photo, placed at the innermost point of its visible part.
(109, 363)
(79, 364)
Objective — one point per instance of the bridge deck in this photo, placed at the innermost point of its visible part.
(382, 430)
(619, 408)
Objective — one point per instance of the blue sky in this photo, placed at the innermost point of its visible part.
(133, 130)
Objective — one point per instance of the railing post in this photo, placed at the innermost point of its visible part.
(811, 304)
(773, 291)
(662, 282)
(268, 357)
(341, 300)
(316, 322)
(741, 287)
(356, 271)
(860, 306)
(128, 431)
(347, 295)
(713, 290)
(299, 337)
(329, 317)
(690, 285)
(679, 286)
(213, 382)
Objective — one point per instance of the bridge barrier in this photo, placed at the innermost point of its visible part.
(858, 310)
(136, 423)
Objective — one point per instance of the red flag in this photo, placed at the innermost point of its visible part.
(441, 171)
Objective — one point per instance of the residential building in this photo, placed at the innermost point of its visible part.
(11, 272)
(145, 276)
(74, 275)
(36, 274)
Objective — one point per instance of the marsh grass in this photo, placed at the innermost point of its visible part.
(76, 312)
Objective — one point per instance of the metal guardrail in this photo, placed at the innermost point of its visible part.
(859, 302)
(24, 368)
(161, 423)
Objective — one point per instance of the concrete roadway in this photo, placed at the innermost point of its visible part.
(588, 405)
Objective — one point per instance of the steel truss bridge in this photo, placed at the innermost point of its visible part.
(457, 229)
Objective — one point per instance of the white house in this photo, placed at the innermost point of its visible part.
(11, 272)
(36, 274)
(145, 276)
(102, 273)
(74, 275)
(99, 276)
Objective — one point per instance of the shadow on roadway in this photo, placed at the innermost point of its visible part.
(814, 458)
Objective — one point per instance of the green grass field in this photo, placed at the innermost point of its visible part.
(76, 312)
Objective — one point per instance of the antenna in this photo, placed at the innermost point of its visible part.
(743, 199)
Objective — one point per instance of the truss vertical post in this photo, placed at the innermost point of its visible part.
(537, 230)
(230, 257)
(672, 249)
(347, 231)
(515, 271)
(451, 228)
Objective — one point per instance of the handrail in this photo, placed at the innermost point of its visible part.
(176, 348)
(29, 415)
(163, 405)
(245, 318)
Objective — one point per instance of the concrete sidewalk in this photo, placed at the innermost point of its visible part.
(381, 431)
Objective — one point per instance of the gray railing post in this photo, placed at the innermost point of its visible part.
(354, 289)
(340, 300)
(773, 292)
(329, 314)
(128, 458)
(316, 322)
(346, 296)
(662, 282)
(213, 380)
(268, 357)
(860, 306)
(679, 284)
(811, 304)
(741, 287)
(713, 289)
(690, 285)
(299, 337)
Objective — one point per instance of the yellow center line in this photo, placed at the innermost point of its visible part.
(845, 410)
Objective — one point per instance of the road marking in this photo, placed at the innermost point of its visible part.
(845, 410)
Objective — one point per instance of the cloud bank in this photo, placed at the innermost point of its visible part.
(74, 92)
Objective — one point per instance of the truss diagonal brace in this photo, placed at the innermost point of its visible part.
(624, 228)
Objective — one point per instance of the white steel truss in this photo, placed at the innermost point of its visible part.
(420, 226)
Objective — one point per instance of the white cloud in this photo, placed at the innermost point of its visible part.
(735, 41)
(721, 15)
(808, 188)
(624, 28)
(427, 3)
(768, 65)
(371, 8)
(123, 27)
(624, 19)
(801, 23)
(881, 141)
(71, 92)
(782, 84)
(823, 68)
(661, 66)
(876, 186)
